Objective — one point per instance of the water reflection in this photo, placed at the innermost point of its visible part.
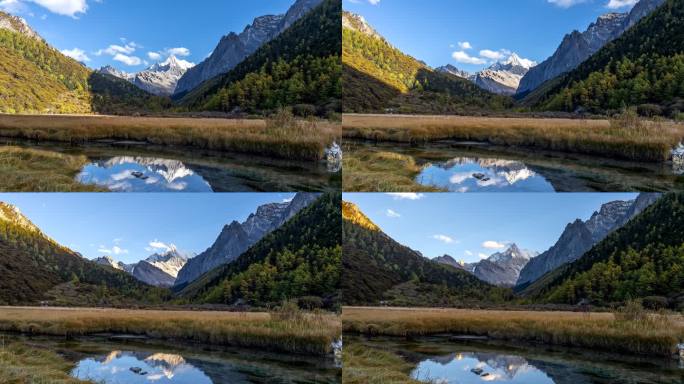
(469, 174)
(467, 368)
(143, 174)
(134, 368)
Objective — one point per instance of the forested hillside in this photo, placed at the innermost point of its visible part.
(301, 68)
(32, 264)
(643, 259)
(376, 268)
(300, 260)
(378, 76)
(643, 68)
(36, 78)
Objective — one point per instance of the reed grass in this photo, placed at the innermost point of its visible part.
(308, 333)
(307, 140)
(30, 170)
(649, 141)
(368, 170)
(656, 335)
(20, 363)
(364, 365)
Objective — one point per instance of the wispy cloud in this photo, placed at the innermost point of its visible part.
(444, 238)
(407, 196)
(463, 57)
(156, 245)
(491, 244)
(566, 3)
(392, 214)
(115, 250)
(616, 4)
(76, 54)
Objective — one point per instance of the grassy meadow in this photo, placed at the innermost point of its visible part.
(626, 137)
(649, 335)
(31, 170)
(281, 136)
(290, 332)
(20, 363)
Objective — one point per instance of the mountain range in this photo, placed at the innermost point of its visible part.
(502, 77)
(577, 47)
(580, 236)
(379, 77)
(159, 79)
(36, 268)
(236, 238)
(277, 61)
(501, 268)
(160, 270)
(234, 48)
(376, 269)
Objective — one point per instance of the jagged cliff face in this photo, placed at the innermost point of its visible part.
(504, 77)
(160, 79)
(358, 23)
(17, 24)
(501, 268)
(450, 69)
(160, 269)
(579, 236)
(236, 237)
(577, 47)
(234, 48)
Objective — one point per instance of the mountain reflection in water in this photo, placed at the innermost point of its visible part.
(467, 368)
(143, 174)
(132, 367)
(468, 174)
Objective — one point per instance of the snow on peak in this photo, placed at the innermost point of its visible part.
(516, 60)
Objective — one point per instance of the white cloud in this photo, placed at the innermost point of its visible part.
(407, 196)
(565, 3)
(468, 253)
(615, 4)
(443, 238)
(128, 60)
(154, 55)
(12, 6)
(463, 57)
(180, 51)
(157, 245)
(482, 255)
(492, 55)
(374, 2)
(465, 45)
(114, 49)
(76, 54)
(491, 244)
(115, 250)
(393, 214)
(64, 7)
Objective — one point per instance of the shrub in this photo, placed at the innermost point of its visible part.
(310, 302)
(649, 110)
(654, 303)
(633, 310)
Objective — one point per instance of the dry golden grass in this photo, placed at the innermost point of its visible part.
(367, 170)
(20, 364)
(30, 170)
(363, 365)
(306, 333)
(304, 141)
(651, 141)
(658, 335)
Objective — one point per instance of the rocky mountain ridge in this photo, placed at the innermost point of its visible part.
(236, 238)
(579, 236)
(159, 269)
(501, 268)
(577, 46)
(234, 48)
(159, 79)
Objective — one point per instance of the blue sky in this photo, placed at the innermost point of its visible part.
(131, 227)
(431, 30)
(471, 226)
(133, 29)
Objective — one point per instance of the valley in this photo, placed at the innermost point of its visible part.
(271, 92)
(607, 282)
(173, 302)
(589, 98)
